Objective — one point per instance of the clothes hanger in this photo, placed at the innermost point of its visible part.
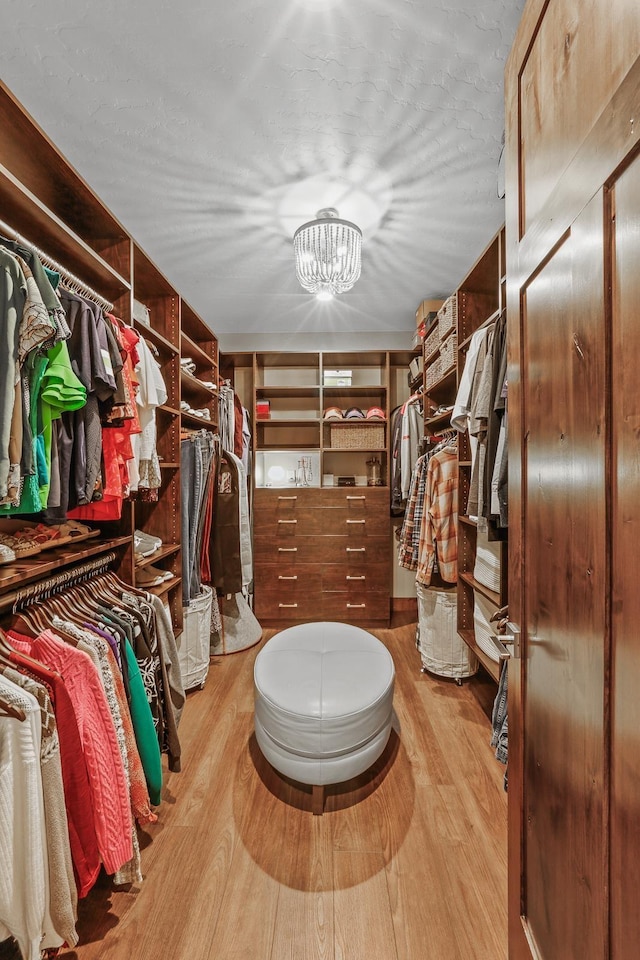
(8, 709)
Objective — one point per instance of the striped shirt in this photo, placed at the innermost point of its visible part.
(438, 531)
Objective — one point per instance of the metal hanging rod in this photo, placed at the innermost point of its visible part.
(20, 599)
(67, 279)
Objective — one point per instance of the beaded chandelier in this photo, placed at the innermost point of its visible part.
(327, 252)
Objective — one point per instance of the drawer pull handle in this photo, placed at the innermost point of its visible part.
(287, 549)
(287, 521)
(356, 498)
(356, 521)
(356, 549)
(358, 605)
(288, 605)
(288, 498)
(287, 578)
(356, 578)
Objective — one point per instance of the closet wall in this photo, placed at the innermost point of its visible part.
(49, 204)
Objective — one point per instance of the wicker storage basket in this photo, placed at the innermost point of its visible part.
(448, 316)
(433, 373)
(357, 436)
(448, 353)
(432, 342)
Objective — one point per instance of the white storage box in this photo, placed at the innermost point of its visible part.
(442, 650)
(337, 378)
(193, 652)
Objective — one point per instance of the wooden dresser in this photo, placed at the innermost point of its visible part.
(322, 554)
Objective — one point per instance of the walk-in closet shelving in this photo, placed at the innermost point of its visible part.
(480, 299)
(46, 202)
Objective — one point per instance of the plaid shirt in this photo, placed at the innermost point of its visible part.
(410, 531)
(438, 531)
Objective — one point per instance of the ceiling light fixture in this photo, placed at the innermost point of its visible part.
(327, 252)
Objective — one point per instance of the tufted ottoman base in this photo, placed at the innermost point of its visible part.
(323, 703)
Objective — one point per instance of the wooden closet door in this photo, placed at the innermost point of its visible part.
(625, 728)
(573, 300)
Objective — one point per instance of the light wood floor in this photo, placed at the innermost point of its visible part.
(409, 863)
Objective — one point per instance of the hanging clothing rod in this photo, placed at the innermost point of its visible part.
(20, 599)
(67, 279)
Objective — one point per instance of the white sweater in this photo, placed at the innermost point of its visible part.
(24, 893)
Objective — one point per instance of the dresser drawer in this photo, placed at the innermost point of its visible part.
(271, 608)
(277, 521)
(339, 607)
(363, 499)
(288, 577)
(357, 578)
(295, 548)
(269, 498)
(341, 521)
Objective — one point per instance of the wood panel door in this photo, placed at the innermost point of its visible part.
(573, 300)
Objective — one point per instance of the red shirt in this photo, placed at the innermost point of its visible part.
(75, 779)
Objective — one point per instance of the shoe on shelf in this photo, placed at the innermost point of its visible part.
(159, 572)
(7, 555)
(145, 578)
(144, 544)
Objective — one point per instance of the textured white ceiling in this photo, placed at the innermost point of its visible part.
(212, 129)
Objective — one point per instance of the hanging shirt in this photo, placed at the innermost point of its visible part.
(24, 887)
(112, 816)
(439, 523)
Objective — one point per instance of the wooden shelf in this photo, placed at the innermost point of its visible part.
(465, 463)
(290, 422)
(354, 450)
(163, 588)
(39, 566)
(169, 466)
(148, 333)
(195, 351)
(23, 211)
(465, 343)
(196, 386)
(304, 390)
(166, 550)
(444, 384)
(490, 595)
(442, 418)
(359, 391)
(198, 421)
(172, 411)
(468, 522)
(492, 667)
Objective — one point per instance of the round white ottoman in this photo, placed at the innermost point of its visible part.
(323, 702)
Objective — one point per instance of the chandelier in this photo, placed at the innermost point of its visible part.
(327, 252)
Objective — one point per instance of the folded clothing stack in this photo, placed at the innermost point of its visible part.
(203, 413)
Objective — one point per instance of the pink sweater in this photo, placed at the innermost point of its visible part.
(112, 812)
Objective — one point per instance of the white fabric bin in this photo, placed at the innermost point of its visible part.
(442, 649)
(193, 652)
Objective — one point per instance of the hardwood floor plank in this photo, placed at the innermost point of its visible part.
(363, 926)
(304, 925)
